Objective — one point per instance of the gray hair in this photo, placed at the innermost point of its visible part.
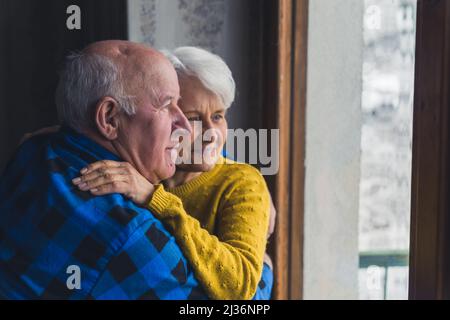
(84, 80)
(209, 68)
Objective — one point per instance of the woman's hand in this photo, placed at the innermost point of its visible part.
(273, 215)
(268, 260)
(38, 132)
(106, 177)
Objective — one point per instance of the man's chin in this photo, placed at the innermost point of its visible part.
(169, 170)
(163, 172)
(194, 167)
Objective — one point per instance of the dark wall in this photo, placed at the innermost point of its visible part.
(33, 42)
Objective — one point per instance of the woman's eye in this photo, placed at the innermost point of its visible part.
(194, 119)
(217, 117)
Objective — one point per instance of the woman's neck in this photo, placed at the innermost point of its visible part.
(180, 177)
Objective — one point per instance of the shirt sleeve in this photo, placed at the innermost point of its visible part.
(149, 266)
(230, 263)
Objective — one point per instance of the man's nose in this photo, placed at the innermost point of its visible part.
(180, 121)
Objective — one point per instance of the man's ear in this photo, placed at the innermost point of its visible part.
(107, 118)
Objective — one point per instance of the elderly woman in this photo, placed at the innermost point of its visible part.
(217, 209)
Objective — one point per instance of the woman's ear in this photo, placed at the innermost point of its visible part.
(107, 118)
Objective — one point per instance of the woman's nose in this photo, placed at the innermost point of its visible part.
(212, 135)
(207, 125)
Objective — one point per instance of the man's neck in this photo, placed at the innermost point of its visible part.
(94, 136)
(180, 177)
(117, 149)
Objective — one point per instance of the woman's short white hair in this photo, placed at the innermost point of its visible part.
(209, 68)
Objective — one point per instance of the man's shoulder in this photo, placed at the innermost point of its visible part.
(48, 224)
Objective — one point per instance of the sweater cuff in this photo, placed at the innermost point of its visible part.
(161, 200)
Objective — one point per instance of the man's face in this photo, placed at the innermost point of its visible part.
(147, 134)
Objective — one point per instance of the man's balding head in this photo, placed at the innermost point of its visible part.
(129, 56)
(124, 96)
(139, 64)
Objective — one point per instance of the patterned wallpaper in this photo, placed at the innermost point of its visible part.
(147, 20)
(204, 20)
(170, 23)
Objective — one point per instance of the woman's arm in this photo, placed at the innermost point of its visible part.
(229, 264)
(39, 132)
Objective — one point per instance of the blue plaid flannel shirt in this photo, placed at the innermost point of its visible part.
(47, 225)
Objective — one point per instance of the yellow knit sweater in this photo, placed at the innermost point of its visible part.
(220, 220)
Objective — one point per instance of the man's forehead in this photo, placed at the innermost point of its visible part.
(164, 88)
(131, 57)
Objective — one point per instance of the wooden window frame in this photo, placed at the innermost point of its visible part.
(285, 108)
(430, 223)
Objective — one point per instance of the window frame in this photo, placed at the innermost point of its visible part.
(430, 223)
(285, 107)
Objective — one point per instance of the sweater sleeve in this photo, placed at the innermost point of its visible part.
(228, 264)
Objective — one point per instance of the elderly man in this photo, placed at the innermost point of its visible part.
(117, 101)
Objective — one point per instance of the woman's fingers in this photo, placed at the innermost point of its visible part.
(25, 137)
(272, 218)
(105, 177)
(101, 172)
(102, 164)
(113, 187)
(268, 260)
(99, 177)
(115, 182)
(39, 132)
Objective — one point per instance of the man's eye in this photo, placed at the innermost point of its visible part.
(194, 119)
(166, 104)
(217, 117)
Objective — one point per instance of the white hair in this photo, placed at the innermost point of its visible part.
(84, 80)
(209, 68)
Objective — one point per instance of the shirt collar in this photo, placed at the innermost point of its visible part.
(80, 140)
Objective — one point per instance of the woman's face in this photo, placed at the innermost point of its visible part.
(206, 113)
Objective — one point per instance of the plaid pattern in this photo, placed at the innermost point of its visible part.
(47, 225)
(264, 291)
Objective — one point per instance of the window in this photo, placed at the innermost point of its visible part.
(386, 141)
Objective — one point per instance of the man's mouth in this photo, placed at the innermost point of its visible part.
(174, 147)
(173, 150)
